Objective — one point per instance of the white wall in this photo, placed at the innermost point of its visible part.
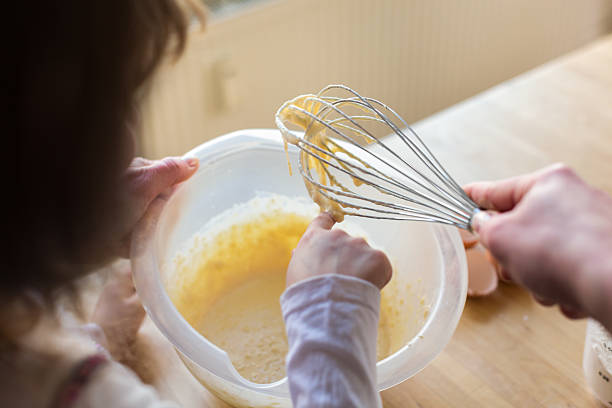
(418, 56)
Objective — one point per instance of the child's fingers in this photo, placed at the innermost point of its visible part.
(120, 280)
(151, 180)
(322, 221)
(140, 162)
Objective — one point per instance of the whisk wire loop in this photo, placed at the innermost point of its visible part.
(340, 143)
(449, 201)
(363, 132)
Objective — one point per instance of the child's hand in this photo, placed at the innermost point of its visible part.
(119, 313)
(144, 180)
(324, 251)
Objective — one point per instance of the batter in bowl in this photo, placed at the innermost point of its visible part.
(228, 281)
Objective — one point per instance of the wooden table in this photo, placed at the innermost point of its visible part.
(507, 351)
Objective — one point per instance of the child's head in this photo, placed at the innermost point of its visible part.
(81, 67)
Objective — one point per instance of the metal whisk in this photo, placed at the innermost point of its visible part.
(357, 153)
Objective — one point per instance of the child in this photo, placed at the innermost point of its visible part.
(81, 70)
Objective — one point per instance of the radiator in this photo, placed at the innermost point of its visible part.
(417, 56)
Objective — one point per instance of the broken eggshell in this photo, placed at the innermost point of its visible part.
(482, 273)
(469, 239)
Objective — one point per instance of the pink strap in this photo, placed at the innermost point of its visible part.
(78, 379)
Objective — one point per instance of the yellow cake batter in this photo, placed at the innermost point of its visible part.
(228, 285)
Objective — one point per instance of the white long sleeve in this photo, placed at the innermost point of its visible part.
(331, 324)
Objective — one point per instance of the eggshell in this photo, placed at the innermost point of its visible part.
(469, 239)
(482, 274)
(496, 265)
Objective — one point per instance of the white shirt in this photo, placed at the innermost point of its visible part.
(331, 324)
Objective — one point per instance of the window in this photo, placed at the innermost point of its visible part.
(225, 7)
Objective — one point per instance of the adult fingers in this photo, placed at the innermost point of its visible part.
(544, 301)
(500, 195)
(493, 229)
(504, 195)
(572, 313)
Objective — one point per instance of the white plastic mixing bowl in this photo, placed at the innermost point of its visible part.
(233, 169)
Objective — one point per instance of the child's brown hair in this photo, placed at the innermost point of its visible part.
(81, 66)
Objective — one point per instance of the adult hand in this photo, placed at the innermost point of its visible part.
(554, 236)
(322, 250)
(143, 181)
